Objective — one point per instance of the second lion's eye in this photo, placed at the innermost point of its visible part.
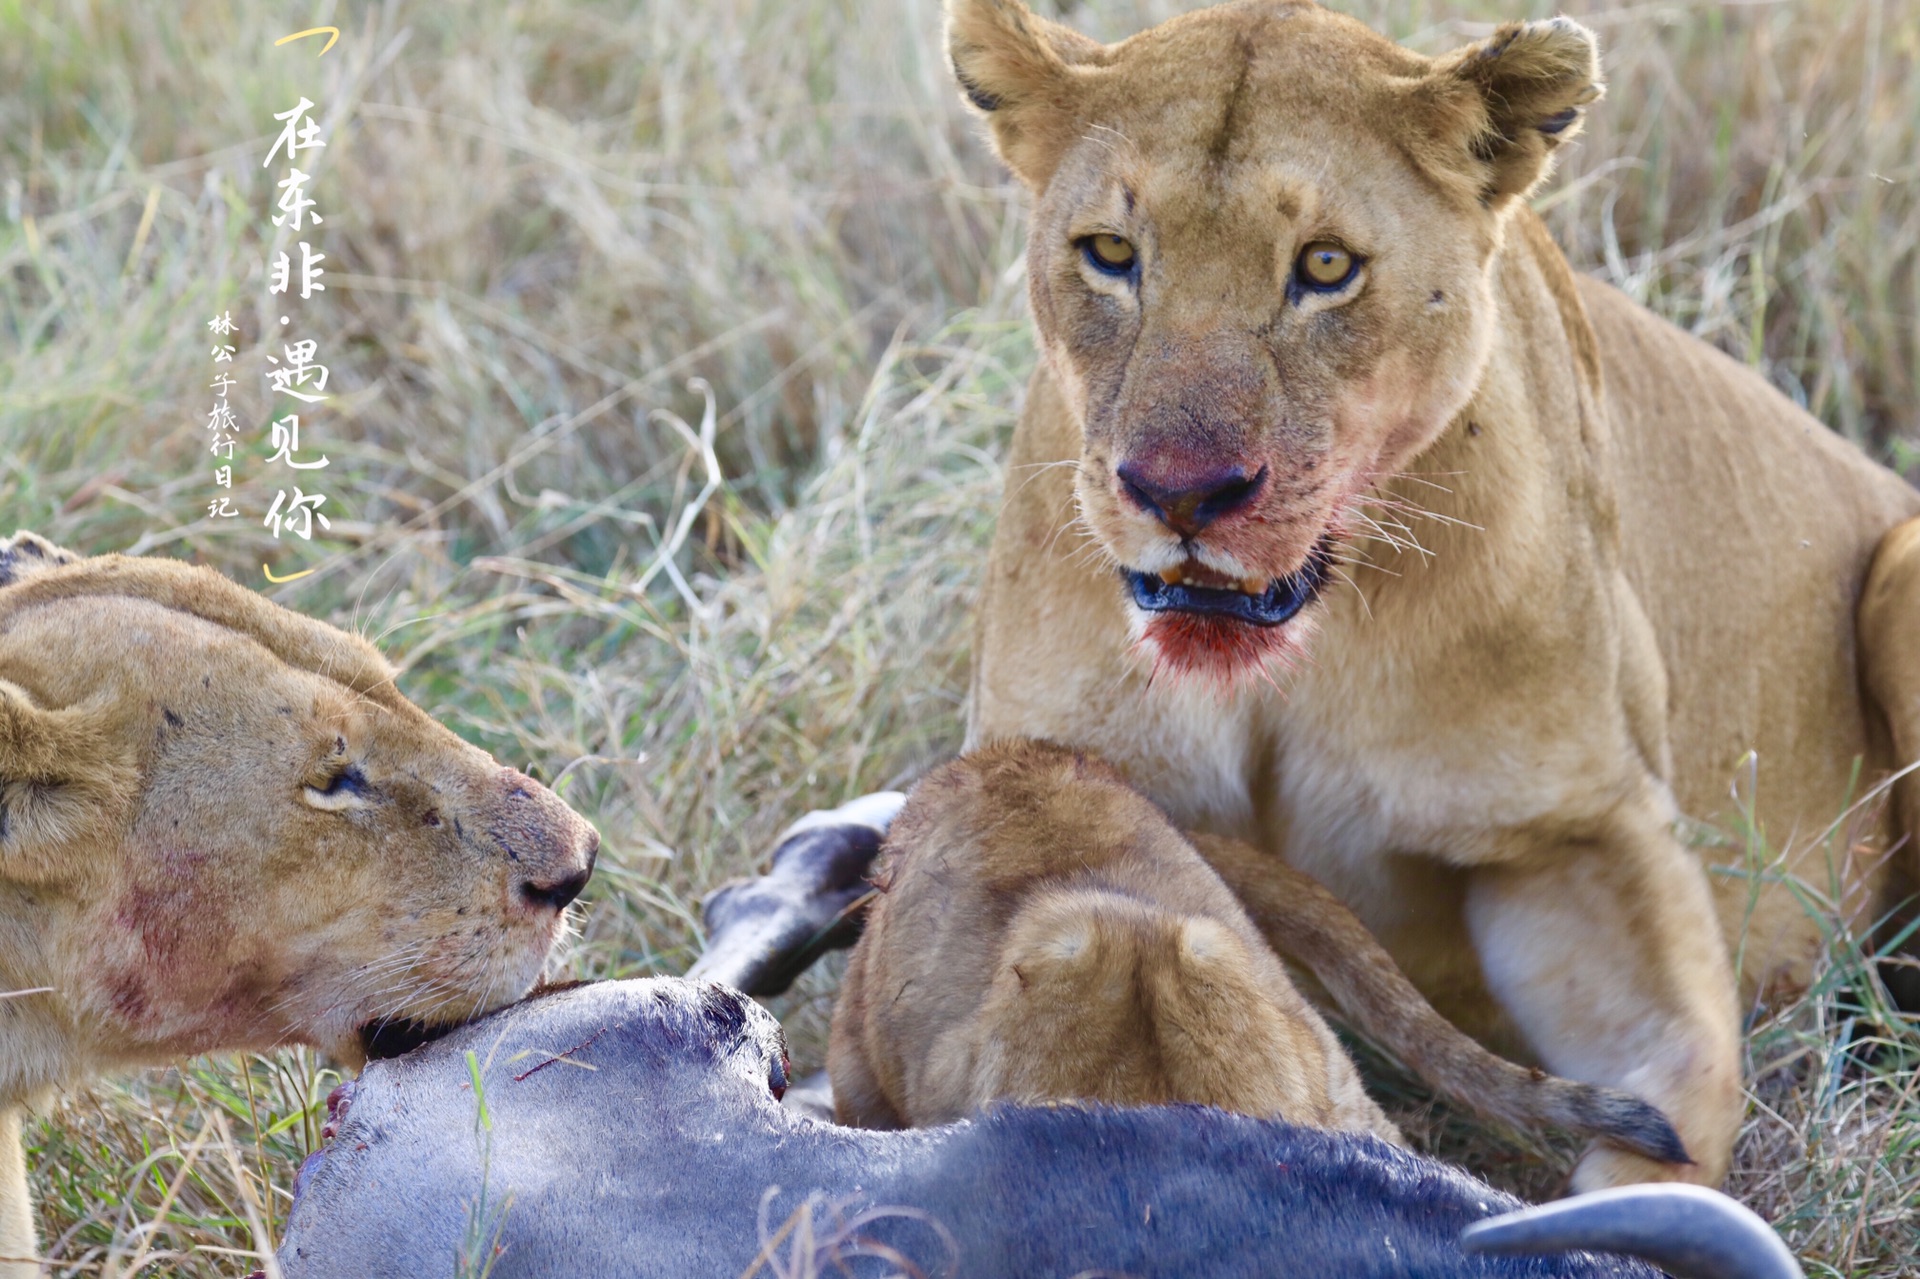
(349, 779)
(1324, 265)
(1109, 254)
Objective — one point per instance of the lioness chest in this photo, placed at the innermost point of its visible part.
(1661, 591)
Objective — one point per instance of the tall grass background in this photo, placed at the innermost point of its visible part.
(675, 350)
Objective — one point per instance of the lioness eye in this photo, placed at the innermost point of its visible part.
(343, 790)
(349, 779)
(1109, 253)
(1325, 265)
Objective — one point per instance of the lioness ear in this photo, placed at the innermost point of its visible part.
(25, 554)
(1512, 99)
(62, 772)
(1018, 69)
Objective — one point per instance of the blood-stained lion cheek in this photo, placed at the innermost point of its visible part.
(164, 955)
(1410, 395)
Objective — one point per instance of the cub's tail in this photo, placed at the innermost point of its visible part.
(1306, 923)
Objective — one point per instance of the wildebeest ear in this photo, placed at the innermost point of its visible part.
(1506, 104)
(1019, 70)
(63, 773)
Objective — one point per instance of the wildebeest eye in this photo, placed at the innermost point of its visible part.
(1325, 266)
(1108, 254)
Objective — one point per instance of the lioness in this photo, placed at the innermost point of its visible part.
(1043, 933)
(1291, 302)
(222, 827)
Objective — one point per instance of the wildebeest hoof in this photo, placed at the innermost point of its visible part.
(762, 933)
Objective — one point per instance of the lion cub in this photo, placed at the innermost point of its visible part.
(1044, 933)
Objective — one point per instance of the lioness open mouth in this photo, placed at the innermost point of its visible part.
(382, 1040)
(1195, 589)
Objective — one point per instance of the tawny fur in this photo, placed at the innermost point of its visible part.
(1586, 564)
(187, 863)
(1043, 933)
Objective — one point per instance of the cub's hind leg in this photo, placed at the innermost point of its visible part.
(1889, 640)
(859, 1098)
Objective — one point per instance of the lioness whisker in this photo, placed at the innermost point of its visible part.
(1335, 571)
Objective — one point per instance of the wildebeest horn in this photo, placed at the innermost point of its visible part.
(1689, 1231)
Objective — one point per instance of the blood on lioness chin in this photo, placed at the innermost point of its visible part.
(1218, 651)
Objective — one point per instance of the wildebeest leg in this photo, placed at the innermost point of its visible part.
(762, 933)
(17, 1243)
(1889, 635)
(1604, 955)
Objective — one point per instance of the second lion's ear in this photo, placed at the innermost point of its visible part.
(64, 774)
(1503, 106)
(1019, 70)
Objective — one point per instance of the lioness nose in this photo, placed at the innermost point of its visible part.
(550, 848)
(557, 894)
(558, 890)
(1188, 505)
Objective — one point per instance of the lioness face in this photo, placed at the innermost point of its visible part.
(1259, 268)
(301, 862)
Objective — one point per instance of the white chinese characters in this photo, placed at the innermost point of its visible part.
(222, 424)
(298, 372)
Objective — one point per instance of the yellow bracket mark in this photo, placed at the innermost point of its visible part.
(291, 577)
(331, 33)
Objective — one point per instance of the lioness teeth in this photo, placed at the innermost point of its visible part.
(1209, 579)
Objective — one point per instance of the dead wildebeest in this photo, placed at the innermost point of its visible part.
(634, 1129)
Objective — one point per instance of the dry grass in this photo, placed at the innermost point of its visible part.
(545, 217)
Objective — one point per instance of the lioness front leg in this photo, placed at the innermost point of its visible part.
(1606, 956)
(17, 1244)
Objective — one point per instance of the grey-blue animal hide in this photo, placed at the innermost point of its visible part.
(635, 1133)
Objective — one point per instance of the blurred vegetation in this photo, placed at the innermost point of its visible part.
(697, 618)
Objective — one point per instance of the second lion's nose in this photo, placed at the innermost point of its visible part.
(1188, 504)
(557, 894)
